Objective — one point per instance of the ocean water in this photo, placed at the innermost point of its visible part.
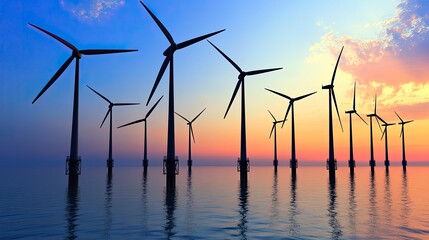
(210, 203)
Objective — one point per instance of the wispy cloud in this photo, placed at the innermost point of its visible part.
(393, 65)
(92, 10)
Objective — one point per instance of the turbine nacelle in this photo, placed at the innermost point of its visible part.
(330, 86)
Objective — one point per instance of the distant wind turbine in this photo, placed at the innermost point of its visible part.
(243, 162)
(402, 123)
(190, 132)
(293, 160)
(170, 161)
(110, 112)
(372, 161)
(386, 146)
(352, 163)
(274, 129)
(145, 160)
(73, 161)
(332, 162)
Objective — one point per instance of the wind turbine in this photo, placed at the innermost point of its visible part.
(190, 132)
(372, 161)
(352, 163)
(332, 162)
(402, 123)
(145, 160)
(386, 149)
(110, 112)
(243, 162)
(170, 160)
(274, 129)
(73, 161)
(293, 160)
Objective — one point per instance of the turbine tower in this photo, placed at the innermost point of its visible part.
(73, 161)
(293, 160)
(372, 161)
(145, 161)
(170, 161)
(243, 162)
(386, 146)
(331, 164)
(110, 112)
(274, 129)
(352, 163)
(190, 132)
(402, 123)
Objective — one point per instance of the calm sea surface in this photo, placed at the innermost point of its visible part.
(211, 204)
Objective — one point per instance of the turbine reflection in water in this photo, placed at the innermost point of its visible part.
(274, 199)
(72, 210)
(243, 209)
(352, 204)
(189, 204)
(336, 231)
(372, 206)
(108, 205)
(170, 207)
(293, 208)
(387, 200)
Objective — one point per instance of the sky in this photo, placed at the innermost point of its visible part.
(385, 53)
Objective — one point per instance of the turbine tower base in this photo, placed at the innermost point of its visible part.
(170, 167)
(275, 163)
(386, 163)
(293, 163)
(145, 163)
(352, 163)
(189, 163)
(109, 163)
(73, 166)
(243, 165)
(331, 165)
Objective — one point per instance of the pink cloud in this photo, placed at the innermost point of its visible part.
(396, 62)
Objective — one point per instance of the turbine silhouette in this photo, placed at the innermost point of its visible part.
(243, 162)
(73, 161)
(331, 164)
(170, 160)
(145, 161)
(293, 160)
(402, 123)
(372, 161)
(352, 163)
(190, 132)
(386, 148)
(274, 129)
(110, 112)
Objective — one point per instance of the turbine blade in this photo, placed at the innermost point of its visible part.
(336, 66)
(361, 118)
(399, 117)
(195, 118)
(125, 104)
(280, 94)
(272, 129)
(226, 57)
(158, 78)
(103, 51)
(408, 121)
(382, 135)
(375, 105)
(354, 98)
(107, 114)
(192, 132)
(99, 94)
(182, 117)
(160, 25)
(153, 107)
(304, 96)
(55, 77)
(336, 108)
(381, 119)
(287, 112)
(131, 123)
(376, 118)
(272, 116)
(197, 39)
(262, 71)
(233, 96)
(69, 45)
